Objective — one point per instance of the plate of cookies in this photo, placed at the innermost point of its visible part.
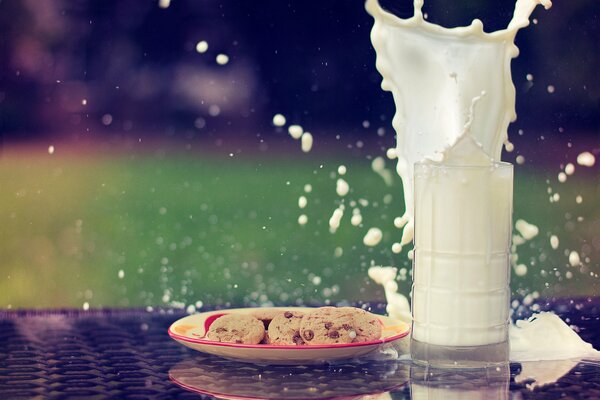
(287, 335)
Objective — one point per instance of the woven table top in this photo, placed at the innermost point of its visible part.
(128, 354)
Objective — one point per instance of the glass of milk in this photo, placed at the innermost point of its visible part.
(461, 276)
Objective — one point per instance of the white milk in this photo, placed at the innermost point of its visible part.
(434, 73)
(461, 270)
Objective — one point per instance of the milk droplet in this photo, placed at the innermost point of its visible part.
(391, 153)
(86, 306)
(222, 59)
(278, 120)
(190, 309)
(342, 187)
(509, 146)
(529, 77)
(337, 252)
(586, 159)
(562, 177)
(528, 231)
(302, 219)
(356, 219)
(397, 248)
(308, 188)
(214, 110)
(295, 131)
(302, 201)
(520, 160)
(164, 3)
(306, 142)
(373, 237)
(202, 46)
(399, 222)
(550, 89)
(574, 259)
(336, 217)
(50, 149)
(84, 102)
(411, 254)
(352, 335)
(521, 270)
(378, 164)
(554, 242)
(569, 169)
(568, 274)
(107, 119)
(555, 197)
(579, 199)
(342, 170)
(121, 274)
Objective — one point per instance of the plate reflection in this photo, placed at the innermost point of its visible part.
(232, 380)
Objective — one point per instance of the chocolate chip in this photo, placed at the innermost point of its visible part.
(308, 334)
(238, 341)
(346, 327)
(328, 325)
(297, 339)
(333, 334)
(220, 330)
(288, 314)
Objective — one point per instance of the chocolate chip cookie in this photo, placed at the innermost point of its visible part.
(327, 325)
(236, 328)
(330, 325)
(284, 328)
(366, 325)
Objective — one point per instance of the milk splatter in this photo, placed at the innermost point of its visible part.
(586, 159)
(545, 336)
(222, 59)
(202, 46)
(336, 217)
(373, 237)
(528, 231)
(342, 188)
(378, 166)
(306, 142)
(279, 120)
(295, 131)
(574, 259)
(356, 219)
(433, 95)
(302, 201)
(302, 219)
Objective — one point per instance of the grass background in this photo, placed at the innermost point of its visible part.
(188, 228)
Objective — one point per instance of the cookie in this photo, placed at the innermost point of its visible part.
(266, 315)
(236, 328)
(327, 325)
(284, 328)
(330, 325)
(366, 325)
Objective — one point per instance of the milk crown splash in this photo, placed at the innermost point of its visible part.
(434, 73)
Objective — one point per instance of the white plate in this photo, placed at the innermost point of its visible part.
(191, 331)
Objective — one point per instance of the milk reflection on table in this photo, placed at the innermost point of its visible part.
(479, 384)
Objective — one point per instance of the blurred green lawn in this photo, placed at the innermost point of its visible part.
(191, 228)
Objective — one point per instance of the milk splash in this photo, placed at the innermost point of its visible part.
(434, 73)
